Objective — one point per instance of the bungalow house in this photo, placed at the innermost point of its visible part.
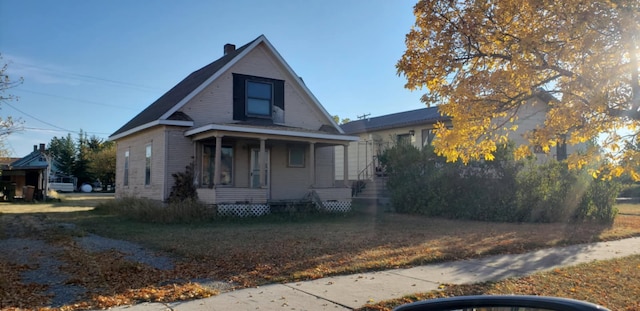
(254, 132)
(27, 177)
(416, 127)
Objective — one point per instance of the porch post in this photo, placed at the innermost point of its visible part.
(216, 163)
(312, 164)
(261, 163)
(346, 164)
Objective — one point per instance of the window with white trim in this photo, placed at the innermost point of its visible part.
(125, 182)
(147, 166)
(296, 156)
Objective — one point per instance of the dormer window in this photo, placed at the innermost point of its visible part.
(259, 99)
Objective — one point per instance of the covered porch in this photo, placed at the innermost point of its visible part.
(256, 167)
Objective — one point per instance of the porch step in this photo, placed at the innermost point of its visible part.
(375, 187)
(376, 191)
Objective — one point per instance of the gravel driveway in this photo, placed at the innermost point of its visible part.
(27, 241)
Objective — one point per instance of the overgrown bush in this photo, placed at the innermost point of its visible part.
(548, 192)
(412, 171)
(598, 203)
(146, 210)
(184, 188)
(420, 182)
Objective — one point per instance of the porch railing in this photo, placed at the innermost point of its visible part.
(363, 176)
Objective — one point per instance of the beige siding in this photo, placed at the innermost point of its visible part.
(337, 194)
(242, 153)
(324, 157)
(359, 153)
(179, 153)
(287, 183)
(136, 145)
(215, 103)
(529, 118)
(362, 153)
(232, 195)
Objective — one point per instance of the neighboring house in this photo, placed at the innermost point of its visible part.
(251, 127)
(27, 176)
(379, 133)
(416, 127)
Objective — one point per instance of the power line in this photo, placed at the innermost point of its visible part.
(73, 99)
(61, 131)
(58, 129)
(83, 77)
(28, 115)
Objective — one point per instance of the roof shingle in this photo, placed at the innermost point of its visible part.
(179, 91)
(404, 118)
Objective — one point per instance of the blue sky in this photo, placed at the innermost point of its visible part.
(93, 65)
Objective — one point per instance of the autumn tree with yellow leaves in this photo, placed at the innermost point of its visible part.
(482, 60)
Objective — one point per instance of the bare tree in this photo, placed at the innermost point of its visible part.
(8, 124)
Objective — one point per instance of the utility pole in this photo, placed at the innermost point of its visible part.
(364, 115)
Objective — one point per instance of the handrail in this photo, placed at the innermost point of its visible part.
(359, 183)
(365, 171)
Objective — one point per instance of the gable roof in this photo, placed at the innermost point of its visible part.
(405, 118)
(34, 160)
(165, 109)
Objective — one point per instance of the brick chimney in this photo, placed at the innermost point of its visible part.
(228, 48)
(42, 147)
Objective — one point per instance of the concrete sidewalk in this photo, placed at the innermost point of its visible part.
(353, 291)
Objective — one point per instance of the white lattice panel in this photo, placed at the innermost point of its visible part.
(337, 206)
(243, 210)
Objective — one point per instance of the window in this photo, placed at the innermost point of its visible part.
(561, 149)
(404, 139)
(296, 156)
(147, 166)
(428, 136)
(126, 168)
(259, 98)
(209, 162)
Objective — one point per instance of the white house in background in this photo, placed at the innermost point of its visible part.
(255, 132)
(416, 127)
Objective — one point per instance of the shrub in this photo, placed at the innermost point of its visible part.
(598, 203)
(545, 192)
(184, 188)
(420, 182)
(411, 172)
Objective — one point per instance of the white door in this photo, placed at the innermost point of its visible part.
(255, 170)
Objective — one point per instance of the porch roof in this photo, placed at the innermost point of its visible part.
(269, 131)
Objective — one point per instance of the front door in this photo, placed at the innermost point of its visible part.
(255, 168)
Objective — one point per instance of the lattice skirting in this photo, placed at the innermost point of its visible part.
(337, 206)
(243, 210)
(255, 210)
